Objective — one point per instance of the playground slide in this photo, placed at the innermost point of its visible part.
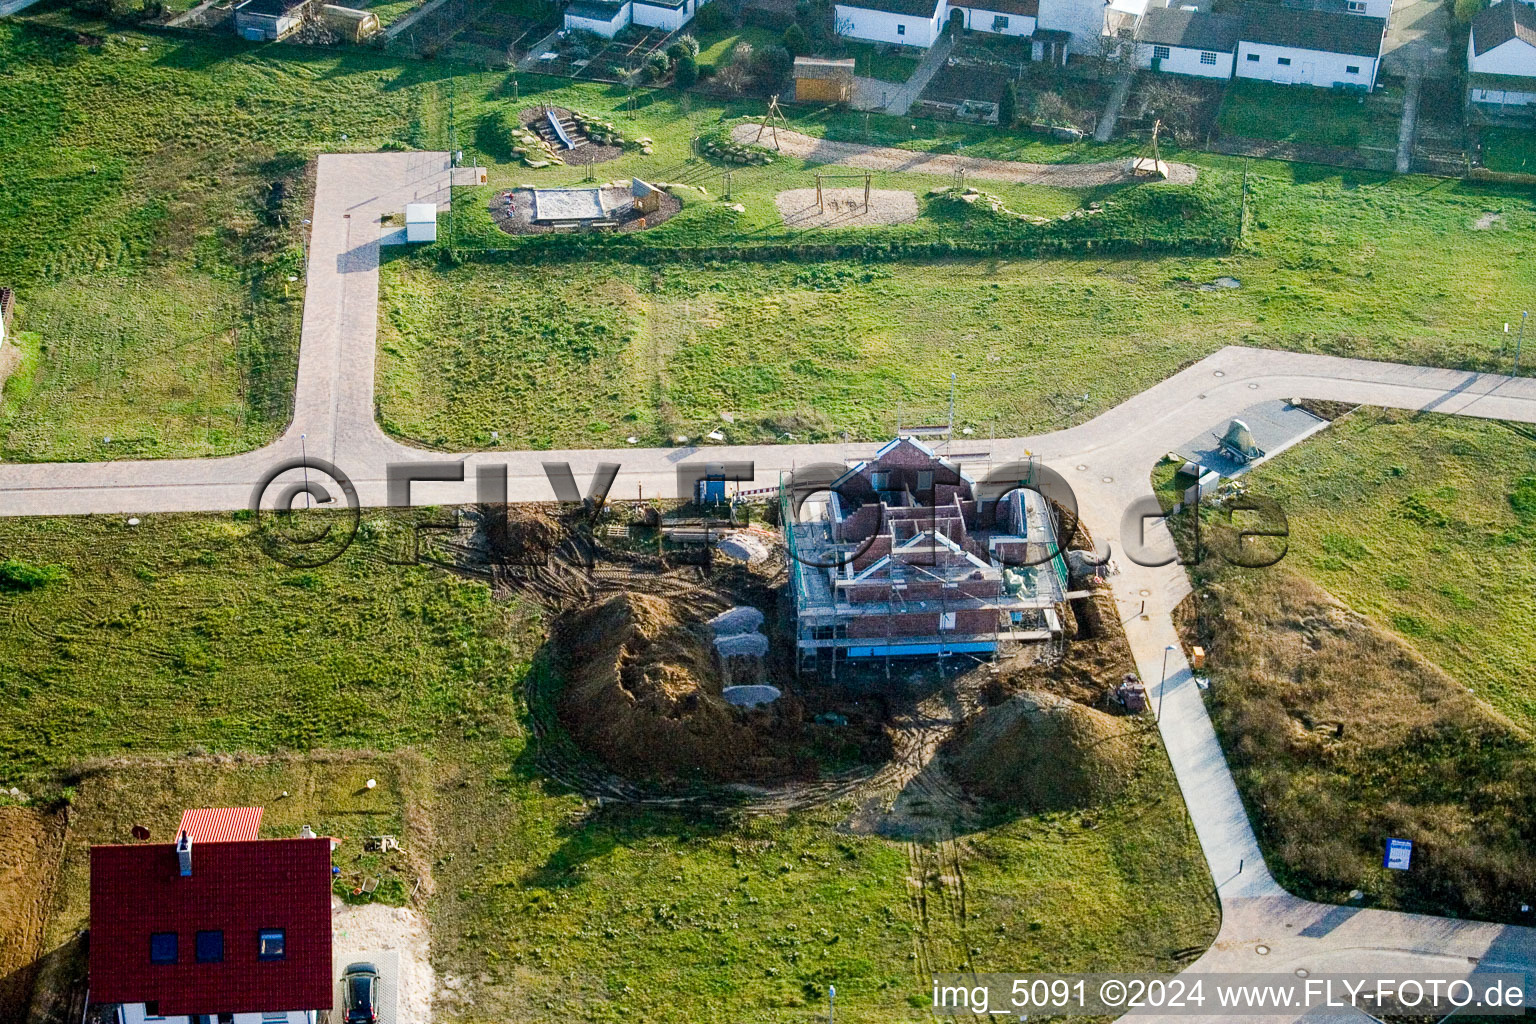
(565, 140)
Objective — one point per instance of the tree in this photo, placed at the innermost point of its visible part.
(736, 72)
(685, 72)
(1466, 10)
(1050, 108)
(771, 65)
(711, 17)
(1008, 106)
(657, 65)
(685, 45)
(795, 40)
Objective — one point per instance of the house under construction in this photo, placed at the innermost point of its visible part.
(902, 557)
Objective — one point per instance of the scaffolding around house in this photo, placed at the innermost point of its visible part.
(903, 557)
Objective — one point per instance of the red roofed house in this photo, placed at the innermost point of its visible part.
(218, 927)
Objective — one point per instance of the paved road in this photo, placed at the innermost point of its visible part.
(1106, 460)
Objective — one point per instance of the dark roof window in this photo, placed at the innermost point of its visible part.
(162, 948)
(210, 947)
(270, 944)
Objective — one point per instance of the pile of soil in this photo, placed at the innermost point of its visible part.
(1040, 752)
(642, 691)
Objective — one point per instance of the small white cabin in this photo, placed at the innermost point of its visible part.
(421, 222)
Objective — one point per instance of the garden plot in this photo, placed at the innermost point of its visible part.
(845, 207)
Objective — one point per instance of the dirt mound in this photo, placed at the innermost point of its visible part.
(1044, 753)
(642, 690)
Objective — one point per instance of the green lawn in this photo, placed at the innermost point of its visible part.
(1310, 116)
(181, 632)
(882, 62)
(620, 914)
(1512, 150)
(151, 223)
(715, 47)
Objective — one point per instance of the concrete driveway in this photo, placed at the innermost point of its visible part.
(388, 963)
(1418, 39)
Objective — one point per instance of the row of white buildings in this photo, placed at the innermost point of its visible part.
(1339, 44)
(1326, 43)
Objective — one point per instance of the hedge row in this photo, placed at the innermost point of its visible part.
(560, 248)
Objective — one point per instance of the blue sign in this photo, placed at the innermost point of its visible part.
(1399, 853)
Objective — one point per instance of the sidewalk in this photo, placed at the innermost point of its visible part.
(904, 97)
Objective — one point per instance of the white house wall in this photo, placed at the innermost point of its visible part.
(606, 29)
(1509, 58)
(1503, 97)
(979, 19)
(1307, 67)
(667, 18)
(133, 1013)
(882, 27)
(1083, 18)
(1184, 61)
(1373, 8)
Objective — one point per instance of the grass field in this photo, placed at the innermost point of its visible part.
(1409, 713)
(151, 224)
(1511, 150)
(1425, 524)
(872, 61)
(181, 633)
(618, 914)
(185, 669)
(1350, 264)
(1310, 117)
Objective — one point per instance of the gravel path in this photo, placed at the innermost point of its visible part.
(887, 158)
(844, 207)
(358, 932)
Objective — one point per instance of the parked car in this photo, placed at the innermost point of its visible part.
(360, 984)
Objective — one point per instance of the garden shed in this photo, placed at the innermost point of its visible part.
(823, 80)
(258, 20)
(352, 24)
(421, 222)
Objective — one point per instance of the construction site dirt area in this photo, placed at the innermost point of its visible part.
(515, 210)
(845, 207)
(31, 848)
(643, 683)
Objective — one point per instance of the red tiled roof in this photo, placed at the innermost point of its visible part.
(238, 888)
(220, 824)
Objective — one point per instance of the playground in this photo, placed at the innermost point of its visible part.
(613, 205)
(825, 207)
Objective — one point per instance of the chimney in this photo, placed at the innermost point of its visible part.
(306, 833)
(184, 854)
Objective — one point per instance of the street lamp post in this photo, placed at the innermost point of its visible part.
(1524, 315)
(1163, 683)
(304, 451)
